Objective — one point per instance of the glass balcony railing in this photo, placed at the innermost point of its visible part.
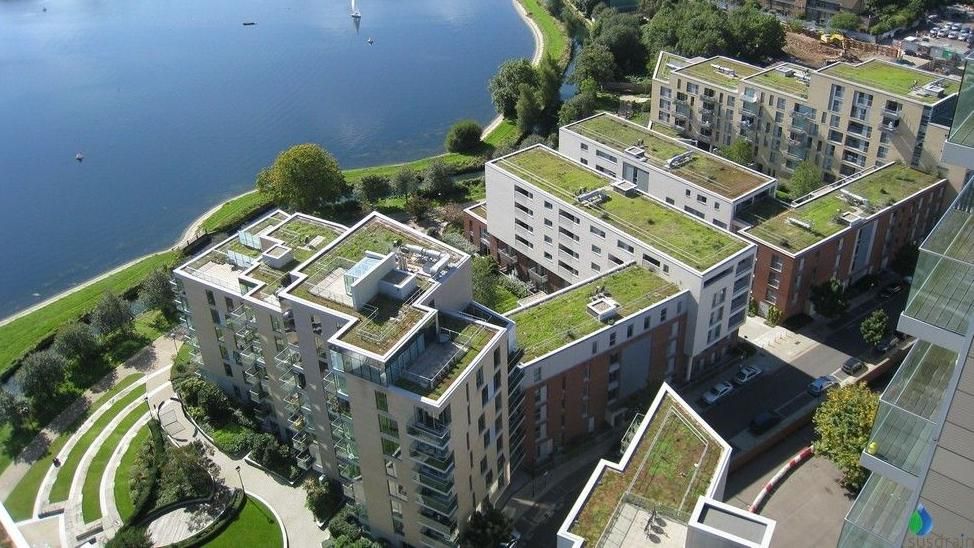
(305, 460)
(962, 128)
(301, 441)
(879, 516)
(288, 358)
(438, 484)
(436, 435)
(437, 522)
(905, 424)
(444, 505)
(433, 538)
(942, 292)
(439, 463)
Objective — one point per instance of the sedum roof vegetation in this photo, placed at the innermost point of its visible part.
(891, 78)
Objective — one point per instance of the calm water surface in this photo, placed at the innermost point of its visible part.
(176, 105)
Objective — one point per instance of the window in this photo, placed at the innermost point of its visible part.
(597, 231)
(595, 347)
(522, 241)
(523, 225)
(548, 240)
(523, 192)
(480, 377)
(568, 268)
(381, 402)
(596, 249)
(646, 321)
(605, 155)
(612, 339)
(568, 216)
(215, 316)
(693, 211)
(484, 396)
(481, 423)
(547, 222)
(596, 267)
(210, 299)
(547, 255)
(584, 146)
(692, 89)
(650, 260)
(390, 448)
(629, 331)
(525, 209)
(719, 223)
(497, 380)
(688, 193)
(388, 426)
(396, 490)
(547, 205)
(670, 200)
(483, 465)
(623, 245)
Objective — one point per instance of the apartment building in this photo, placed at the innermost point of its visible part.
(362, 348)
(558, 222)
(630, 503)
(845, 230)
(698, 182)
(844, 117)
(587, 348)
(819, 11)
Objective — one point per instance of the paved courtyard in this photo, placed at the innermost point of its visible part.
(636, 527)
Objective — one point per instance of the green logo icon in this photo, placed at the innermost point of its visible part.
(920, 522)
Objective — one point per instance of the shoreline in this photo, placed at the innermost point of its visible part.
(190, 231)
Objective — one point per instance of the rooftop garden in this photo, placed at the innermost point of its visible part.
(552, 172)
(779, 82)
(481, 211)
(881, 188)
(663, 70)
(704, 71)
(715, 174)
(564, 318)
(670, 468)
(472, 336)
(890, 78)
(269, 221)
(299, 231)
(378, 332)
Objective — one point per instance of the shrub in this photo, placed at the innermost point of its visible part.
(130, 537)
(323, 498)
(75, 341)
(273, 455)
(459, 242)
(774, 316)
(515, 286)
(345, 524)
(464, 136)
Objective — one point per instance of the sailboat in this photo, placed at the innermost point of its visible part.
(356, 14)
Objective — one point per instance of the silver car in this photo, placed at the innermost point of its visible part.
(822, 384)
(718, 392)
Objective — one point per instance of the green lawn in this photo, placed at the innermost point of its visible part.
(555, 38)
(891, 78)
(21, 335)
(123, 495)
(20, 501)
(254, 526)
(90, 499)
(62, 484)
(235, 211)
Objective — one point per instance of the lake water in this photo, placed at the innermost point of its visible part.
(176, 105)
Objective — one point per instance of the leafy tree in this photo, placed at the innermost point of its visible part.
(549, 83)
(345, 524)
(620, 33)
(905, 260)
(842, 425)
(111, 314)
(484, 280)
(187, 472)
(405, 181)
(739, 151)
(361, 542)
(40, 375)
(774, 316)
(580, 106)
(271, 453)
(829, 298)
(486, 529)
(13, 411)
(75, 341)
(555, 7)
(209, 398)
(437, 179)
(322, 498)
(464, 136)
(754, 34)
(806, 178)
(418, 207)
(875, 327)
(844, 20)
(528, 109)
(505, 86)
(131, 537)
(374, 187)
(587, 6)
(595, 62)
(303, 178)
(795, 24)
(453, 214)
(156, 293)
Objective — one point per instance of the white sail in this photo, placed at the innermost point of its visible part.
(355, 12)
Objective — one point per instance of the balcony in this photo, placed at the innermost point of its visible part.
(892, 114)
(516, 399)
(516, 419)
(444, 505)
(879, 516)
(436, 522)
(289, 358)
(301, 441)
(797, 153)
(347, 450)
(888, 127)
(683, 113)
(906, 425)
(434, 459)
(253, 375)
(257, 393)
(349, 471)
(436, 435)
(305, 460)
(435, 540)
(242, 318)
(538, 275)
(289, 382)
(443, 485)
(508, 256)
(514, 376)
(251, 358)
(297, 421)
(297, 402)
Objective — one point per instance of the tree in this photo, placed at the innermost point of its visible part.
(464, 136)
(829, 298)
(405, 181)
(595, 62)
(131, 537)
(773, 316)
(620, 33)
(437, 179)
(580, 106)
(505, 86)
(40, 375)
(303, 178)
(322, 498)
(739, 151)
(549, 83)
(486, 529)
(187, 472)
(13, 411)
(754, 34)
(374, 187)
(842, 425)
(419, 207)
(528, 109)
(844, 20)
(111, 314)
(75, 341)
(875, 327)
(555, 7)
(156, 293)
(345, 524)
(806, 178)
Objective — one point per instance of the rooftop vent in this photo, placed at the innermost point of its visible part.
(637, 150)
(785, 71)
(726, 71)
(799, 223)
(679, 160)
(591, 197)
(850, 218)
(803, 77)
(853, 199)
(673, 66)
(932, 89)
(603, 308)
(624, 186)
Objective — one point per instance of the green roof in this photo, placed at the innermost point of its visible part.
(890, 78)
(480, 210)
(774, 79)
(882, 188)
(672, 232)
(299, 232)
(708, 171)
(706, 72)
(663, 69)
(564, 317)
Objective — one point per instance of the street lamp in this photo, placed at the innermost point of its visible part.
(240, 477)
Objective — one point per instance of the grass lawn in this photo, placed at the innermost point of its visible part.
(20, 502)
(891, 78)
(235, 211)
(123, 495)
(65, 475)
(90, 499)
(254, 526)
(22, 334)
(506, 133)
(555, 38)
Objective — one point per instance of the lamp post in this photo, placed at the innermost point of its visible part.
(240, 477)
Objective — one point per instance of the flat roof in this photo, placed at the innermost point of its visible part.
(778, 224)
(666, 59)
(707, 72)
(304, 235)
(891, 78)
(708, 171)
(671, 232)
(784, 77)
(675, 459)
(480, 210)
(736, 523)
(564, 318)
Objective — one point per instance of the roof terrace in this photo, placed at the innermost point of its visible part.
(785, 77)
(833, 208)
(719, 71)
(541, 327)
(898, 80)
(676, 234)
(304, 235)
(708, 171)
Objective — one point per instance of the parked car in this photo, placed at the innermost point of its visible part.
(718, 392)
(890, 290)
(512, 542)
(886, 345)
(820, 385)
(952, 35)
(852, 366)
(745, 374)
(764, 421)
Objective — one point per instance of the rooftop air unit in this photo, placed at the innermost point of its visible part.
(799, 223)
